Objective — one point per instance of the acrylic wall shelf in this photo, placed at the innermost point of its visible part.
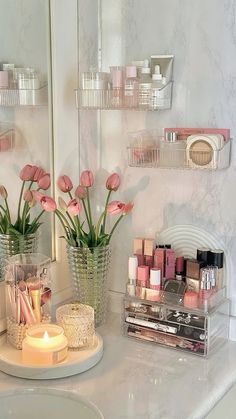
(95, 99)
(24, 97)
(179, 158)
(169, 323)
(7, 137)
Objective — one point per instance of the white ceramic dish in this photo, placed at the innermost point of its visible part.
(38, 402)
(76, 362)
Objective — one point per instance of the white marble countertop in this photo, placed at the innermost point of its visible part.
(143, 381)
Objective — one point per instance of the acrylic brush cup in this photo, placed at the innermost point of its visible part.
(28, 294)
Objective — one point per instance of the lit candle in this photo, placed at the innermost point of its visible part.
(44, 344)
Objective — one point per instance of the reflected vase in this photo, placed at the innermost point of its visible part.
(89, 268)
(11, 244)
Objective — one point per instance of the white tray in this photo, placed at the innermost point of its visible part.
(76, 362)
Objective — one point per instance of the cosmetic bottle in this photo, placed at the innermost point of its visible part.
(145, 84)
(9, 68)
(94, 89)
(148, 252)
(179, 266)
(205, 288)
(132, 275)
(169, 264)
(153, 293)
(4, 79)
(216, 258)
(155, 97)
(159, 259)
(28, 78)
(138, 247)
(143, 276)
(117, 82)
(203, 255)
(131, 87)
(172, 151)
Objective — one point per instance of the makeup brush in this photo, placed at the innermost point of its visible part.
(26, 308)
(34, 285)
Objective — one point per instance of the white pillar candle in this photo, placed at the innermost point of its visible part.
(44, 344)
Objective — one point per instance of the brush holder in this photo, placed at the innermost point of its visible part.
(28, 294)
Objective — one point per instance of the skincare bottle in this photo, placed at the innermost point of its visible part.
(131, 87)
(145, 85)
(155, 96)
(117, 82)
(132, 275)
(216, 258)
(172, 151)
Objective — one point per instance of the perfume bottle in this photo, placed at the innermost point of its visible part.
(172, 151)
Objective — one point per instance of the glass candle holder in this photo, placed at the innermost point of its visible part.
(28, 294)
(77, 320)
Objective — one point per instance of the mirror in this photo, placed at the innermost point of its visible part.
(25, 105)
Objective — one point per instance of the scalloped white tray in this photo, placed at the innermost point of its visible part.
(76, 362)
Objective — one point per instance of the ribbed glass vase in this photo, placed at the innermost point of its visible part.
(12, 245)
(89, 268)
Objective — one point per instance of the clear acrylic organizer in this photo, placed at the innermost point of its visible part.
(117, 99)
(24, 97)
(179, 157)
(169, 323)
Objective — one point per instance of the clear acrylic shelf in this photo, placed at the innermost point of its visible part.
(169, 323)
(172, 156)
(24, 97)
(7, 136)
(124, 99)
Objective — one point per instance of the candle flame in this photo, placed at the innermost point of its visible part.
(45, 336)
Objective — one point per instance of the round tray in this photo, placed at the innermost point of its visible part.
(76, 362)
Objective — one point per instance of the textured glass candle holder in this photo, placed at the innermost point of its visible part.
(28, 294)
(89, 268)
(77, 320)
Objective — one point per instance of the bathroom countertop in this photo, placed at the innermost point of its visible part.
(143, 381)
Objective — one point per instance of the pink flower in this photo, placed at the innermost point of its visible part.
(86, 178)
(62, 204)
(38, 174)
(115, 207)
(113, 182)
(73, 207)
(37, 195)
(127, 208)
(3, 192)
(44, 181)
(64, 183)
(80, 192)
(48, 204)
(28, 172)
(28, 196)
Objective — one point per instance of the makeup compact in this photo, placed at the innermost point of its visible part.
(202, 150)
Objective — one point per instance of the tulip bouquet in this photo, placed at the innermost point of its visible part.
(29, 195)
(88, 234)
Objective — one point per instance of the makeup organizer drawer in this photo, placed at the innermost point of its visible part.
(168, 323)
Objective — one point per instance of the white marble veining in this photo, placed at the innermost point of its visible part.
(202, 37)
(142, 381)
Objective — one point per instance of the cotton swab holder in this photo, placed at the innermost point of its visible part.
(28, 294)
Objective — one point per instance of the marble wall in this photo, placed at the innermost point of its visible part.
(202, 36)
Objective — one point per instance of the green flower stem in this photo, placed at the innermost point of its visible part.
(65, 221)
(59, 215)
(71, 220)
(85, 210)
(25, 210)
(114, 227)
(99, 223)
(105, 212)
(89, 209)
(70, 195)
(20, 198)
(3, 209)
(7, 211)
(36, 219)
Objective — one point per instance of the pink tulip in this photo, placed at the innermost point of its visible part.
(73, 207)
(115, 207)
(62, 204)
(48, 204)
(37, 196)
(64, 183)
(113, 182)
(127, 208)
(3, 192)
(86, 178)
(80, 192)
(44, 182)
(28, 172)
(28, 196)
(38, 174)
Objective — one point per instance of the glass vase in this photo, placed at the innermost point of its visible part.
(11, 244)
(89, 268)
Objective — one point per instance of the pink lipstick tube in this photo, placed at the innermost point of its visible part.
(143, 276)
(159, 257)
